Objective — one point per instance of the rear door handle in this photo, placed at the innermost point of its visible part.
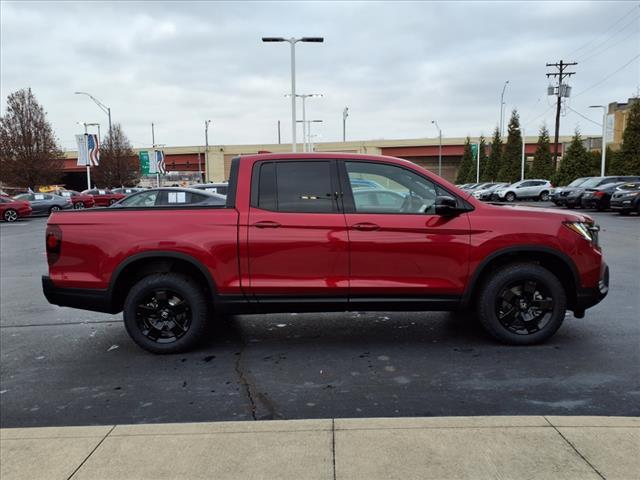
(266, 224)
(366, 227)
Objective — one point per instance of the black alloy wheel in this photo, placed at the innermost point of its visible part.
(163, 316)
(78, 205)
(524, 307)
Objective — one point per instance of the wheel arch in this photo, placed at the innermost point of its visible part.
(141, 265)
(555, 261)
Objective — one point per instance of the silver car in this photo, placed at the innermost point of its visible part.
(536, 189)
(45, 203)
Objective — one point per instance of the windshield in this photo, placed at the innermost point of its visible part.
(578, 181)
(592, 182)
(629, 186)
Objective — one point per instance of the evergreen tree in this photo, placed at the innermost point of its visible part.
(464, 169)
(493, 161)
(512, 156)
(118, 163)
(576, 162)
(542, 166)
(29, 154)
(630, 150)
(484, 160)
(614, 164)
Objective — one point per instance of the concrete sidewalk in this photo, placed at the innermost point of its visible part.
(576, 448)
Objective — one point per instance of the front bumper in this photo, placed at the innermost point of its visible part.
(588, 297)
(83, 298)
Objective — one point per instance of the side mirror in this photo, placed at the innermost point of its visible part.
(446, 205)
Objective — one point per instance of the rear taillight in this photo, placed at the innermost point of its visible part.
(598, 194)
(53, 241)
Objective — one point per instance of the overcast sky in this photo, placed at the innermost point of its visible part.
(396, 65)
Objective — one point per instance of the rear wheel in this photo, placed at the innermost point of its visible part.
(522, 304)
(112, 201)
(10, 215)
(510, 196)
(166, 313)
(78, 205)
(55, 208)
(544, 196)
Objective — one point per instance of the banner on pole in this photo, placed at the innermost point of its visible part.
(608, 137)
(160, 165)
(474, 150)
(93, 149)
(83, 152)
(147, 167)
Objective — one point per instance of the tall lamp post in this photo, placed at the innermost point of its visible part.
(603, 157)
(307, 139)
(102, 106)
(304, 116)
(345, 114)
(206, 150)
(439, 147)
(292, 41)
(502, 107)
(523, 160)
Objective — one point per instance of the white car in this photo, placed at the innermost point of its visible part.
(525, 189)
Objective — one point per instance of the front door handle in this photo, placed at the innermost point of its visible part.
(366, 227)
(266, 224)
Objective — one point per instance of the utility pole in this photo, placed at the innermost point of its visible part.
(562, 90)
(502, 108)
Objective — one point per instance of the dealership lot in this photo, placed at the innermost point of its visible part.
(69, 367)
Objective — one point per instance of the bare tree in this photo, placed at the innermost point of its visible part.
(118, 163)
(29, 154)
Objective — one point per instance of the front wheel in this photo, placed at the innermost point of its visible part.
(55, 208)
(522, 304)
(10, 215)
(166, 313)
(510, 197)
(112, 201)
(78, 206)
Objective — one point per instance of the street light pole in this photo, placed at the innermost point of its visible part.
(439, 147)
(305, 143)
(603, 155)
(345, 114)
(292, 41)
(502, 107)
(102, 106)
(206, 150)
(522, 161)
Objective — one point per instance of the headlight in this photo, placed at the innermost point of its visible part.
(586, 230)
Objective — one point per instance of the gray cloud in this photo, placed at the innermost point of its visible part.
(396, 65)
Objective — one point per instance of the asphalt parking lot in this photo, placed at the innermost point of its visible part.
(69, 367)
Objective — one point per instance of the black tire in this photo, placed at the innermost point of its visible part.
(78, 205)
(544, 196)
(182, 327)
(10, 215)
(112, 201)
(510, 197)
(624, 213)
(499, 297)
(55, 208)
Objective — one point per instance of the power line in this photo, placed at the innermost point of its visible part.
(533, 119)
(586, 118)
(610, 46)
(606, 31)
(608, 76)
(634, 20)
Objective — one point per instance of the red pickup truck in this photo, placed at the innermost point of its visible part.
(300, 233)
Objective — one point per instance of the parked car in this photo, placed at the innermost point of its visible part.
(11, 210)
(599, 197)
(378, 200)
(536, 189)
(487, 190)
(79, 200)
(169, 196)
(574, 198)
(104, 197)
(219, 187)
(626, 198)
(559, 195)
(469, 186)
(45, 203)
(291, 238)
(127, 190)
(358, 183)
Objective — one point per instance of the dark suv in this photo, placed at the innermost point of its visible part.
(574, 198)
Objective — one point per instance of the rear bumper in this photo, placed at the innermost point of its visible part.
(83, 298)
(588, 297)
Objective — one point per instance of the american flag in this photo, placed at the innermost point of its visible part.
(162, 168)
(93, 147)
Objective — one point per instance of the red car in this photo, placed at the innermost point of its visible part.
(79, 200)
(103, 197)
(11, 209)
(293, 237)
